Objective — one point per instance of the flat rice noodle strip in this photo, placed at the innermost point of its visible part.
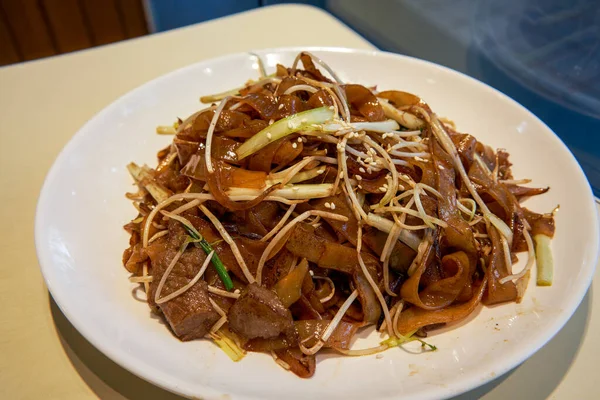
(373, 185)
(465, 145)
(251, 251)
(310, 70)
(300, 364)
(287, 83)
(363, 100)
(320, 99)
(450, 280)
(308, 290)
(263, 159)
(400, 99)
(504, 171)
(493, 192)
(228, 120)
(371, 308)
(497, 269)
(247, 130)
(347, 229)
(267, 213)
(267, 345)
(258, 226)
(458, 235)
(327, 233)
(185, 149)
(504, 204)
(229, 175)
(455, 269)
(277, 268)
(170, 179)
(521, 191)
(281, 71)
(303, 242)
(263, 104)
(303, 309)
(540, 223)
(402, 255)
(341, 338)
(415, 318)
(289, 288)
(215, 185)
(286, 152)
(224, 149)
(290, 104)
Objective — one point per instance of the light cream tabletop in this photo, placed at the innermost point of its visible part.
(42, 105)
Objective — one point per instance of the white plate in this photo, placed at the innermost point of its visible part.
(82, 207)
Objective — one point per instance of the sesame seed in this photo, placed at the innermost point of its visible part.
(331, 108)
(236, 291)
(382, 189)
(327, 205)
(299, 139)
(310, 271)
(320, 171)
(358, 177)
(280, 106)
(360, 187)
(269, 136)
(271, 121)
(361, 169)
(332, 206)
(294, 145)
(341, 174)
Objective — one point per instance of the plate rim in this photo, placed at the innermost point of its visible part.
(457, 386)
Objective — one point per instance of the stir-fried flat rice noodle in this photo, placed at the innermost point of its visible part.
(298, 209)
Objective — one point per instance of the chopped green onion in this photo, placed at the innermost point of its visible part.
(228, 345)
(544, 260)
(166, 130)
(301, 191)
(143, 178)
(398, 341)
(200, 242)
(282, 128)
(381, 127)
